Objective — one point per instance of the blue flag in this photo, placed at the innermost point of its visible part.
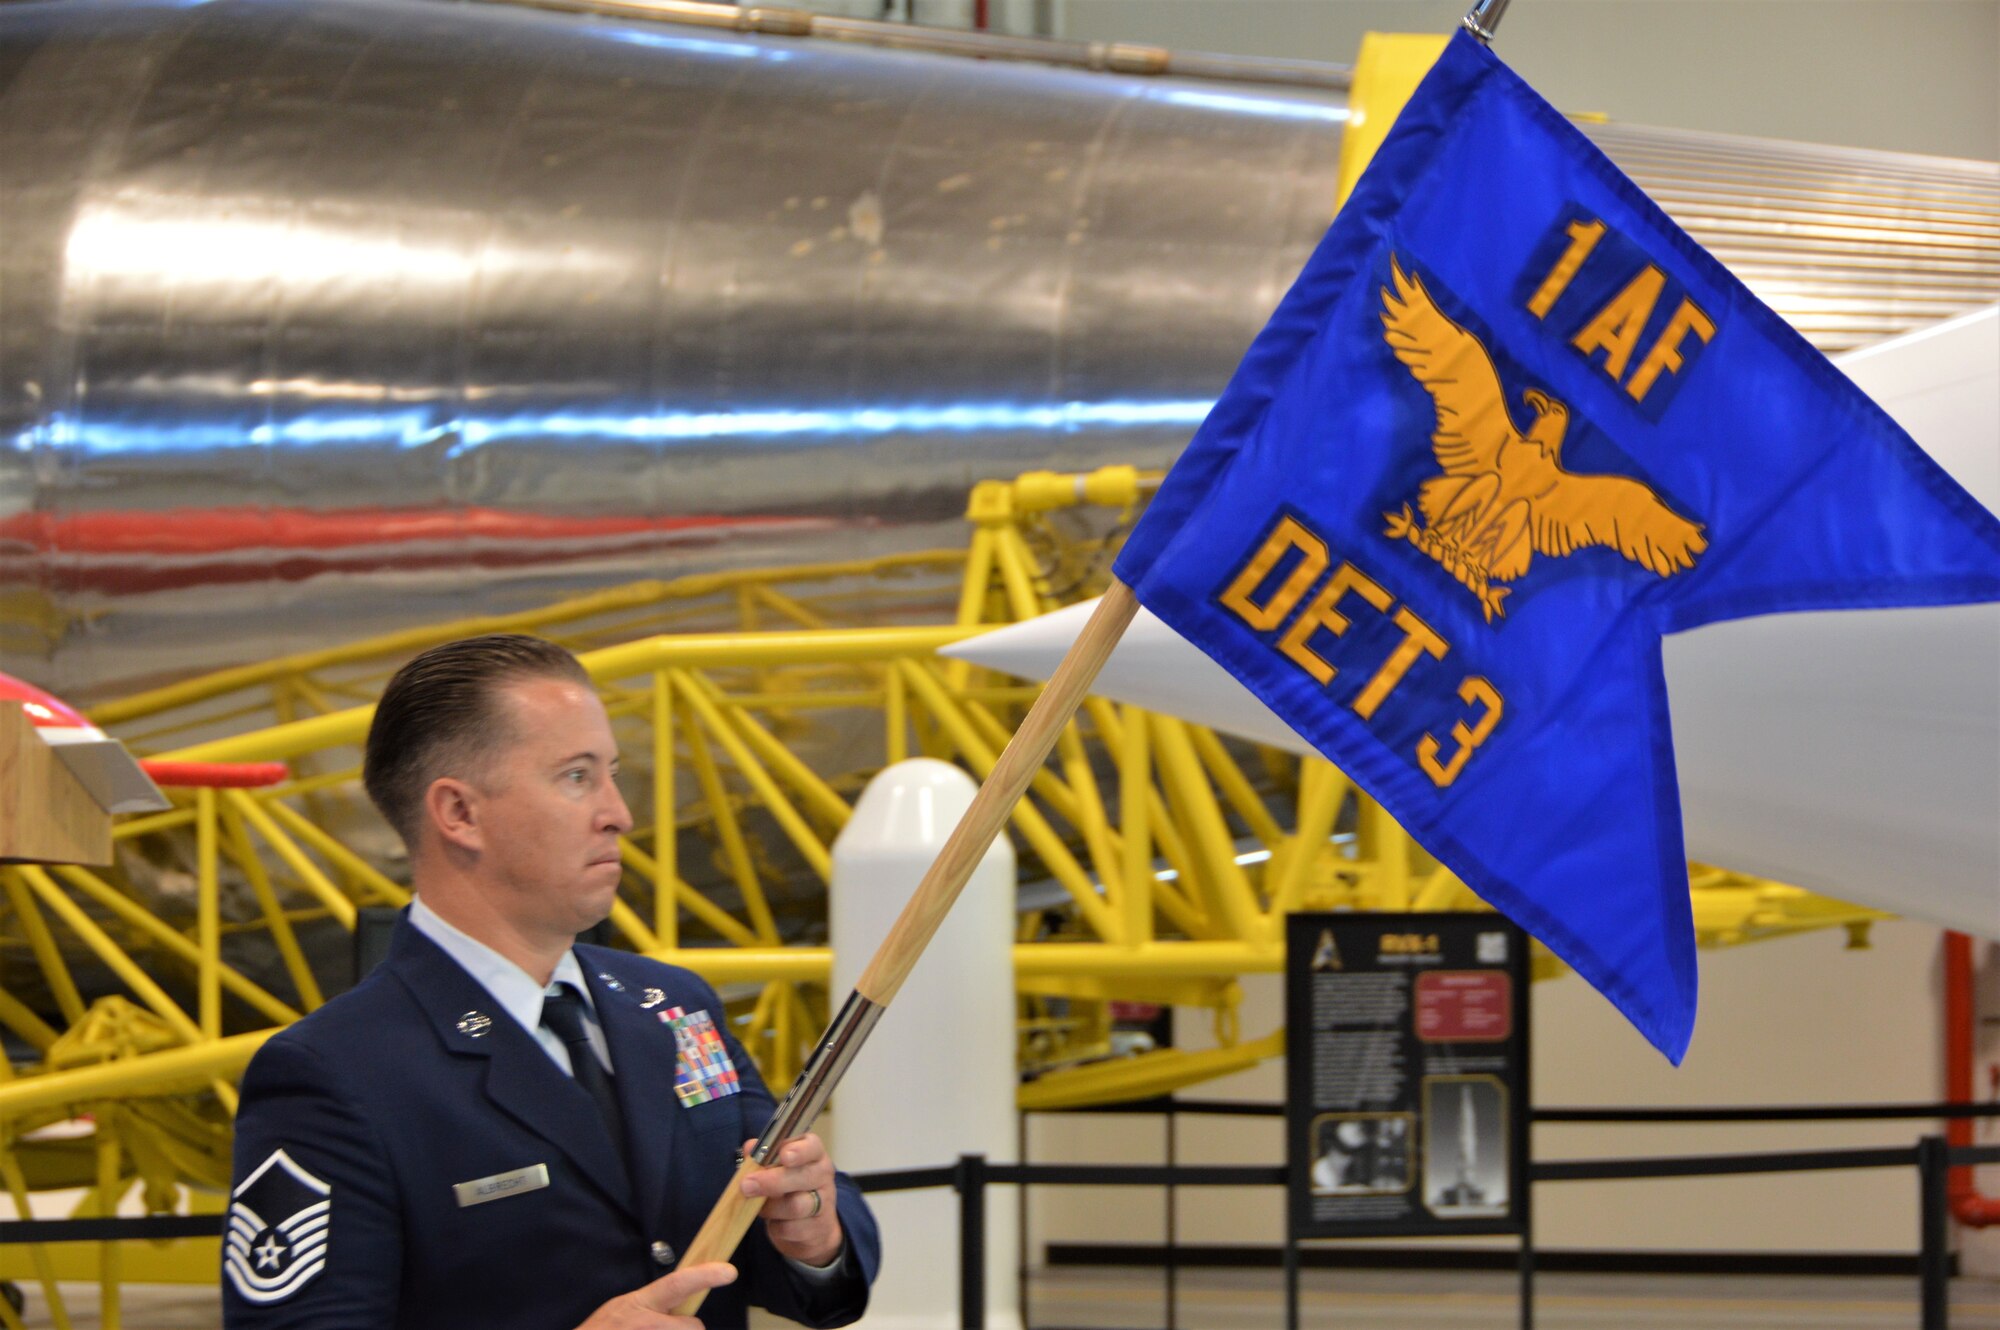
(1510, 426)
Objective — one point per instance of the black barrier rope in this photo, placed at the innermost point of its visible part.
(906, 1179)
(1141, 1175)
(1704, 1166)
(972, 1175)
(1772, 1113)
(160, 1227)
(1727, 1113)
(155, 1228)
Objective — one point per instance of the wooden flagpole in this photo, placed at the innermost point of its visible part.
(876, 988)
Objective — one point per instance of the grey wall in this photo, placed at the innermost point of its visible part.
(1912, 75)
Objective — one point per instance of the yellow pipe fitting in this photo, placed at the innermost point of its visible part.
(1172, 959)
(1042, 491)
(991, 503)
(1118, 486)
(749, 965)
(208, 916)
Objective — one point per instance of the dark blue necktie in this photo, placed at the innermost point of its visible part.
(562, 1012)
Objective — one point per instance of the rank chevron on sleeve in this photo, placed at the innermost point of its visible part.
(270, 1259)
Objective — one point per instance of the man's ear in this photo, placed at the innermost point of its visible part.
(453, 808)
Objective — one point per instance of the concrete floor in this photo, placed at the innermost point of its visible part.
(1070, 1299)
(1094, 1299)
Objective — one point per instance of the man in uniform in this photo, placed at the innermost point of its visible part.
(500, 1129)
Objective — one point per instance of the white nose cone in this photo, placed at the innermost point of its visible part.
(1854, 753)
(1152, 666)
(937, 1077)
(1858, 753)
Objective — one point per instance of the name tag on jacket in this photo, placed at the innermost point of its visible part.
(481, 1190)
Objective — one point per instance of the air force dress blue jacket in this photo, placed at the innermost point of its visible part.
(408, 1156)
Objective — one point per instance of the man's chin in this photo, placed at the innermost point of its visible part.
(599, 892)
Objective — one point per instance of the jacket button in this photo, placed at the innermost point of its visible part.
(664, 1254)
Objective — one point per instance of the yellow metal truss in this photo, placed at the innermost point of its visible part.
(1160, 857)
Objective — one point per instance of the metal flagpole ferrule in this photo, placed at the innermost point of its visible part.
(1483, 19)
(801, 1106)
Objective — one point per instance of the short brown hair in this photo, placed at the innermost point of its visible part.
(440, 714)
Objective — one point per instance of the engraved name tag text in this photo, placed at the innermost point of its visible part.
(481, 1190)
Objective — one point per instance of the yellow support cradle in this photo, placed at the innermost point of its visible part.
(1158, 858)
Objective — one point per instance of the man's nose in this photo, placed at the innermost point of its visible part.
(614, 813)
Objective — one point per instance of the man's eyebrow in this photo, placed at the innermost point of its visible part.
(585, 756)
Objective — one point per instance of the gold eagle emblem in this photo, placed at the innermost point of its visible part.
(1504, 496)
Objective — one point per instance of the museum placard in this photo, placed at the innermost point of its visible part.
(1406, 1052)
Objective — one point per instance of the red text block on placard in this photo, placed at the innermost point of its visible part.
(1464, 1005)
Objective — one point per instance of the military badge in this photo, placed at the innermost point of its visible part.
(702, 1068)
(279, 1229)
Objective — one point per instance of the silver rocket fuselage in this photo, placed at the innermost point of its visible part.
(323, 317)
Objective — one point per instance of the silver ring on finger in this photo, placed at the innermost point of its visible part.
(817, 1204)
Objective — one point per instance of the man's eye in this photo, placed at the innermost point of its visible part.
(576, 776)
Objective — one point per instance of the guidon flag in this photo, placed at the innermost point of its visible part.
(1509, 426)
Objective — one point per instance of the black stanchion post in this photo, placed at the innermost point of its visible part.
(971, 1185)
(1173, 1262)
(1934, 1257)
(1524, 1168)
(1021, 1221)
(1291, 1278)
(1528, 1279)
(1528, 1237)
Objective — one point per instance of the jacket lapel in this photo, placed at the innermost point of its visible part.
(521, 1080)
(642, 1061)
